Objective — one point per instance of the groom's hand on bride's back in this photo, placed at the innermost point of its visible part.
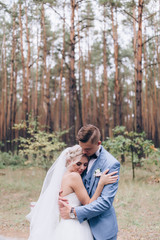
(64, 208)
(63, 199)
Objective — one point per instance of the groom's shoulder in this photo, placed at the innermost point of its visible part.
(108, 156)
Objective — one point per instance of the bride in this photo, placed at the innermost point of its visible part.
(65, 176)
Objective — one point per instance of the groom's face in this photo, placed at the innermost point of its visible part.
(89, 148)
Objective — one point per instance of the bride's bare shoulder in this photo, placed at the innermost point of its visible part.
(75, 175)
(75, 180)
(72, 175)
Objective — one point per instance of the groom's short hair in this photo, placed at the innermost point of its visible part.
(87, 133)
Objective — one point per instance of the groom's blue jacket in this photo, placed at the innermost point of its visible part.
(100, 213)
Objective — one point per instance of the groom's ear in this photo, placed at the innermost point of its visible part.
(99, 143)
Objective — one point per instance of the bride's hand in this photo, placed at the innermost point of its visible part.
(108, 178)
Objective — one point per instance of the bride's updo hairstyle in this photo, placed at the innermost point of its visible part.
(73, 153)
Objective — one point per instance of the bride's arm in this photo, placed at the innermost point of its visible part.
(78, 187)
(104, 180)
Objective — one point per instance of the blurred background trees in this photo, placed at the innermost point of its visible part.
(68, 63)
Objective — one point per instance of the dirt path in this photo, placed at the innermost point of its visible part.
(122, 235)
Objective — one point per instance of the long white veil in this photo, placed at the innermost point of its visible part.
(45, 215)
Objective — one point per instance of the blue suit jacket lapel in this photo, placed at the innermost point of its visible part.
(98, 164)
(86, 180)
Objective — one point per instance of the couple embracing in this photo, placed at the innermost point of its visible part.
(77, 194)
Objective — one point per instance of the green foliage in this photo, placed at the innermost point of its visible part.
(139, 144)
(88, 15)
(127, 142)
(1, 144)
(118, 146)
(96, 52)
(40, 148)
(119, 130)
(154, 157)
(8, 159)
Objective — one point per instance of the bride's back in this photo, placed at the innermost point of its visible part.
(66, 184)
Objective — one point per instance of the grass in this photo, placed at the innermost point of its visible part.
(136, 203)
(18, 188)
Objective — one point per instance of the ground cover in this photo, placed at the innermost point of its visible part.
(137, 202)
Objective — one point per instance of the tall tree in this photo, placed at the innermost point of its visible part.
(139, 70)
(4, 99)
(25, 87)
(72, 79)
(28, 62)
(106, 114)
(146, 108)
(117, 109)
(11, 104)
(79, 91)
(84, 109)
(135, 48)
(62, 69)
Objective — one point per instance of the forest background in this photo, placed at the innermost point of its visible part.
(68, 63)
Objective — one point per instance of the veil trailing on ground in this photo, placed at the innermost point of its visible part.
(44, 217)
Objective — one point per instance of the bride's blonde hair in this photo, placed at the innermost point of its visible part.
(72, 154)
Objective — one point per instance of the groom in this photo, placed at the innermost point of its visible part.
(100, 213)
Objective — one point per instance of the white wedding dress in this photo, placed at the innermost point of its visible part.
(71, 229)
(45, 222)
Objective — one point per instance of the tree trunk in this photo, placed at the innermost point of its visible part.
(28, 61)
(83, 92)
(66, 107)
(150, 99)
(45, 66)
(36, 84)
(60, 99)
(100, 108)
(49, 125)
(15, 101)
(155, 108)
(2, 106)
(25, 93)
(95, 110)
(135, 56)
(4, 103)
(72, 80)
(139, 71)
(157, 46)
(88, 102)
(117, 111)
(146, 108)
(11, 94)
(46, 78)
(106, 116)
(79, 79)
